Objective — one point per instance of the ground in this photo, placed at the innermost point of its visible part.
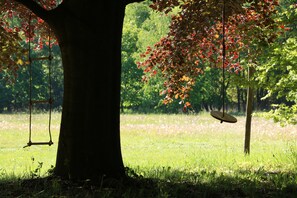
(165, 156)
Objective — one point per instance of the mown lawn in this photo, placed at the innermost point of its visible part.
(165, 155)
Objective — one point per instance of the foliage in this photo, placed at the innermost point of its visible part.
(17, 26)
(206, 93)
(11, 54)
(195, 40)
(284, 114)
(144, 27)
(278, 71)
(131, 76)
(18, 23)
(15, 95)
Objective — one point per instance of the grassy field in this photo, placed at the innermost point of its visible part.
(192, 154)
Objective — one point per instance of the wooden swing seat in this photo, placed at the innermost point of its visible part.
(39, 143)
(223, 117)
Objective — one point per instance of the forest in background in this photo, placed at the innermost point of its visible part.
(274, 79)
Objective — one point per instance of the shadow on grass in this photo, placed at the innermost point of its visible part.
(168, 183)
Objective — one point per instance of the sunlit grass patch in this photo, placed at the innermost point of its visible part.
(16, 161)
(166, 155)
(192, 142)
(195, 142)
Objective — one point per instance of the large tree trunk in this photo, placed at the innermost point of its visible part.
(89, 36)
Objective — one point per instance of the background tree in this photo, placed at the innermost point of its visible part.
(142, 27)
(151, 30)
(277, 73)
(206, 93)
(131, 76)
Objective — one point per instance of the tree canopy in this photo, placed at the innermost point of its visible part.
(195, 39)
(177, 83)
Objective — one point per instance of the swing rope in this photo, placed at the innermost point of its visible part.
(50, 100)
(223, 116)
(30, 83)
(224, 56)
(50, 58)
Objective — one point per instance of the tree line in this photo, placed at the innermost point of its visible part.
(274, 79)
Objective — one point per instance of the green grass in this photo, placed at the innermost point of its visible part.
(168, 155)
(16, 161)
(192, 143)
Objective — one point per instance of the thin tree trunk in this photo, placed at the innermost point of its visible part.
(238, 99)
(243, 95)
(249, 111)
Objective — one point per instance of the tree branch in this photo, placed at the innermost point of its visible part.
(35, 8)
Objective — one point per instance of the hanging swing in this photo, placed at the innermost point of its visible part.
(49, 101)
(223, 116)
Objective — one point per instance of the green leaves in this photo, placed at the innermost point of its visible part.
(15, 30)
(284, 114)
(279, 73)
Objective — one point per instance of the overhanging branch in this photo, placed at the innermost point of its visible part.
(35, 8)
